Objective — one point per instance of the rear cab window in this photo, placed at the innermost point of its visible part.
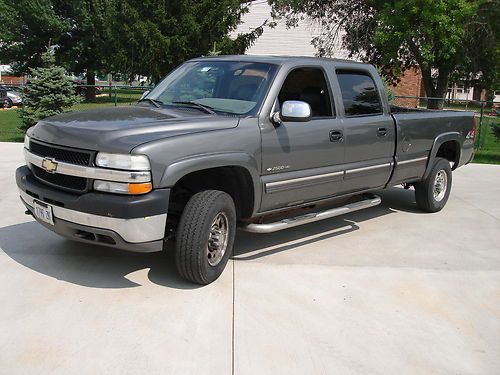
(359, 93)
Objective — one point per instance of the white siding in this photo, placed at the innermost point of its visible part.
(280, 40)
(460, 93)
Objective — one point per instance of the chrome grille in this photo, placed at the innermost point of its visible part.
(73, 183)
(62, 154)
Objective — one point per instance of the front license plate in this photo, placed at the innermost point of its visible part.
(43, 212)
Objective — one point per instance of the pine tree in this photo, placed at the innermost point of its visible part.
(49, 93)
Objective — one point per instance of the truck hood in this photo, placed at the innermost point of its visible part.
(120, 129)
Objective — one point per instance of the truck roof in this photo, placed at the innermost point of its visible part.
(279, 60)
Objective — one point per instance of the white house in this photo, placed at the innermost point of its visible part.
(280, 40)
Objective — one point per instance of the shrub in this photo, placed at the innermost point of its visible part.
(50, 93)
(496, 131)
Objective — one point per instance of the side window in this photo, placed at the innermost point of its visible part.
(359, 93)
(308, 85)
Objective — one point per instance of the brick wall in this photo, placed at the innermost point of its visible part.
(409, 85)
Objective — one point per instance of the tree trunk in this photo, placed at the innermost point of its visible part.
(437, 103)
(110, 82)
(476, 95)
(490, 98)
(435, 91)
(442, 86)
(90, 89)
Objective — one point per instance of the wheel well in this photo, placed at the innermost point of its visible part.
(449, 150)
(235, 181)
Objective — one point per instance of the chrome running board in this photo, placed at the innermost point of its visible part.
(371, 201)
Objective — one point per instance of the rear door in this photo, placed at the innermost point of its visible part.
(369, 130)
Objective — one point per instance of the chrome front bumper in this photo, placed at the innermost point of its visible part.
(144, 229)
(134, 223)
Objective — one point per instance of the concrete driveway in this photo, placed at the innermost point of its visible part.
(388, 290)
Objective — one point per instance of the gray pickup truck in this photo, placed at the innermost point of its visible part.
(259, 143)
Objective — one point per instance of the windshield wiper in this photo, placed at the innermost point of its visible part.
(155, 102)
(203, 107)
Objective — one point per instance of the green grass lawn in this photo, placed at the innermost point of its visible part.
(9, 123)
(488, 147)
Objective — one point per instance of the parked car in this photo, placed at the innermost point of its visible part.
(81, 87)
(3, 97)
(13, 95)
(263, 143)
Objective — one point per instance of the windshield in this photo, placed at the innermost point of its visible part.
(224, 86)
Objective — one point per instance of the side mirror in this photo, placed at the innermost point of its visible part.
(294, 111)
(144, 94)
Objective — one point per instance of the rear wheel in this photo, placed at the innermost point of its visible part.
(82, 92)
(432, 193)
(205, 236)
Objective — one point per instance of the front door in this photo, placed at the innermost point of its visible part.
(302, 161)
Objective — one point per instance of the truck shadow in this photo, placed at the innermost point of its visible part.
(36, 248)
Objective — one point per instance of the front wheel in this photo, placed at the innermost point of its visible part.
(432, 193)
(205, 236)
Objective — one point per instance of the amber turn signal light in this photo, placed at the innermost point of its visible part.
(142, 188)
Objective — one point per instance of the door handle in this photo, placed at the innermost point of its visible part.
(336, 136)
(382, 132)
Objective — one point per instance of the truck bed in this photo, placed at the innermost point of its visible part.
(417, 131)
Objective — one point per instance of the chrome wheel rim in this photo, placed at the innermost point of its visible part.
(217, 239)
(440, 185)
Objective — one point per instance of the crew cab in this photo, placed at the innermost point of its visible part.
(257, 143)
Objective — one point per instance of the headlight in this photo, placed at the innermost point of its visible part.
(123, 161)
(122, 188)
(26, 142)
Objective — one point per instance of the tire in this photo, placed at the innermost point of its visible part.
(431, 200)
(9, 103)
(200, 254)
(81, 91)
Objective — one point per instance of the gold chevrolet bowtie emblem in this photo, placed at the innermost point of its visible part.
(49, 164)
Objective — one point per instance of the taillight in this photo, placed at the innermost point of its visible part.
(472, 133)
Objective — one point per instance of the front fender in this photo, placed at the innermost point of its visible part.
(175, 171)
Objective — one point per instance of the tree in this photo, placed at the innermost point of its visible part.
(397, 34)
(27, 28)
(238, 45)
(76, 29)
(118, 36)
(481, 68)
(83, 48)
(50, 93)
(152, 37)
